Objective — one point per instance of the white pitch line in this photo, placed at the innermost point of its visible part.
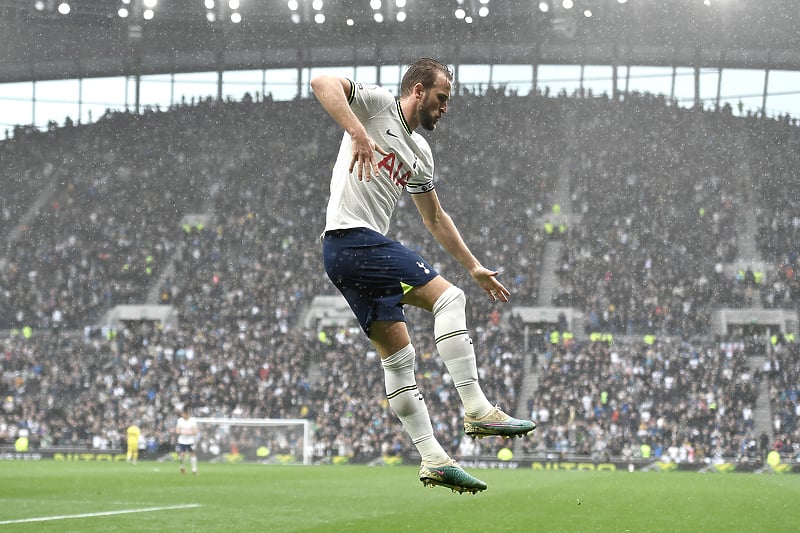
(93, 515)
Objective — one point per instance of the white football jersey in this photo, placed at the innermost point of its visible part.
(409, 165)
(187, 430)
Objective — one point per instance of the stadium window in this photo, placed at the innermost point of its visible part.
(235, 83)
(281, 83)
(391, 76)
(16, 104)
(56, 100)
(559, 77)
(784, 92)
(517, 78)
(476, 78)
(99, 95)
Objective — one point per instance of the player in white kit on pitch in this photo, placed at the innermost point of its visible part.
(381, 156)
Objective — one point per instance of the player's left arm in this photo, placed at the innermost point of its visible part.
(444, 230)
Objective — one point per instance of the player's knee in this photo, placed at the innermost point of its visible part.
(452, 298)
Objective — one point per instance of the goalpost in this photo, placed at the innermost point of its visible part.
(257, 438)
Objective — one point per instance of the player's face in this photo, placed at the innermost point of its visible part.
(433, 103)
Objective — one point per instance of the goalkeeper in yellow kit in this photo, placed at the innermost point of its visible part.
(133, 443)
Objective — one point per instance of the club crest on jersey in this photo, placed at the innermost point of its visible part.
(394, 167)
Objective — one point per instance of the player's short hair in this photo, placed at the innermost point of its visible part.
(425, 71)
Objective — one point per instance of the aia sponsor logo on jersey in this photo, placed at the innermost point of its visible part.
(395, 168)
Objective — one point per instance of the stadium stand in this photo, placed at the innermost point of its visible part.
(97, 216)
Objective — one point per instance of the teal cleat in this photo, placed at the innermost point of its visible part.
(451, 476)
(497, 423)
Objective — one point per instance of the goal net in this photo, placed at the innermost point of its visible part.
(268, 440)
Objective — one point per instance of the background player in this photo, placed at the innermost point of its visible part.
(188, 434)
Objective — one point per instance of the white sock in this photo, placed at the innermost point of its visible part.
(193, 460)
(458, 354)
(409, 405)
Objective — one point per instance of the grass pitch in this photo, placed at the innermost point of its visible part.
(87, 497)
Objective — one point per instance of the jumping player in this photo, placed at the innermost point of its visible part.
(379, 157)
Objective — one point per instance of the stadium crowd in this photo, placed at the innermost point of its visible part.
(99, 215)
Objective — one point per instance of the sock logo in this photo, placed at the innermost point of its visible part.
(419, 396)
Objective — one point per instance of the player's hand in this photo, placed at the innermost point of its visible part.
(364, 161)
(487, 280)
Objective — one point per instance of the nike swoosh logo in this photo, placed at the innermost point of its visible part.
(389, 132)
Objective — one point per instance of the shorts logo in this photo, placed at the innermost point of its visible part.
(423, 267)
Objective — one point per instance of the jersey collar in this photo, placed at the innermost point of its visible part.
(402, 118)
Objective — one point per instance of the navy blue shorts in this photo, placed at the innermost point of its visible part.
(184, 448)
(373, 273)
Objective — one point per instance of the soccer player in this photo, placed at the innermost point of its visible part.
(380, 156)
(188, 434)
(133, 432)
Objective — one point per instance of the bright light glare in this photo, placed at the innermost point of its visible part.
(38, 5)
(295, 18)
(293, 5)
(400, 3)
(587, 13)
(544, 7)
(567, 4)
(484, 2)
(150, 4)
(401, 16)
(236, 18)
(316, 5)
(123, 13)
(483, 11)
(375, 4)
(460, 13)
(148, 14)
(377, 17)
(233, 4)
(351, 22)
(211, 16)
(319, 18)
(622, 1)
(63, 8)
(468, 20)
(209, 4)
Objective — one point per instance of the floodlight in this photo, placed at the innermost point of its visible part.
(567, 4)
(233, 4)
(123, 12)
(236, 17)
(400, 3)
(483, 11)
(63, 8)
(209, 4)
(148, 14)
(150, 4)
(319, 18)
(460, 13)
(377, 17)
(544, 7)
(293, 5)
(401, 16)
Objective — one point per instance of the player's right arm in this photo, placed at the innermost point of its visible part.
(334, 93)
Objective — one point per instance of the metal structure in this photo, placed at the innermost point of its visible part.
(93, 41)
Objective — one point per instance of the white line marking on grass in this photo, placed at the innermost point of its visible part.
(93, 515)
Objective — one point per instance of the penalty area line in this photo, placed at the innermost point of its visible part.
(104, 513)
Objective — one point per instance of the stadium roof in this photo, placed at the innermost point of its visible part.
(43, 39)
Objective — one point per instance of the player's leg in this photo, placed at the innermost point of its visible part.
(181, 457)
(448, 305)
(129, 454)
(393, 344)
(193, 461)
